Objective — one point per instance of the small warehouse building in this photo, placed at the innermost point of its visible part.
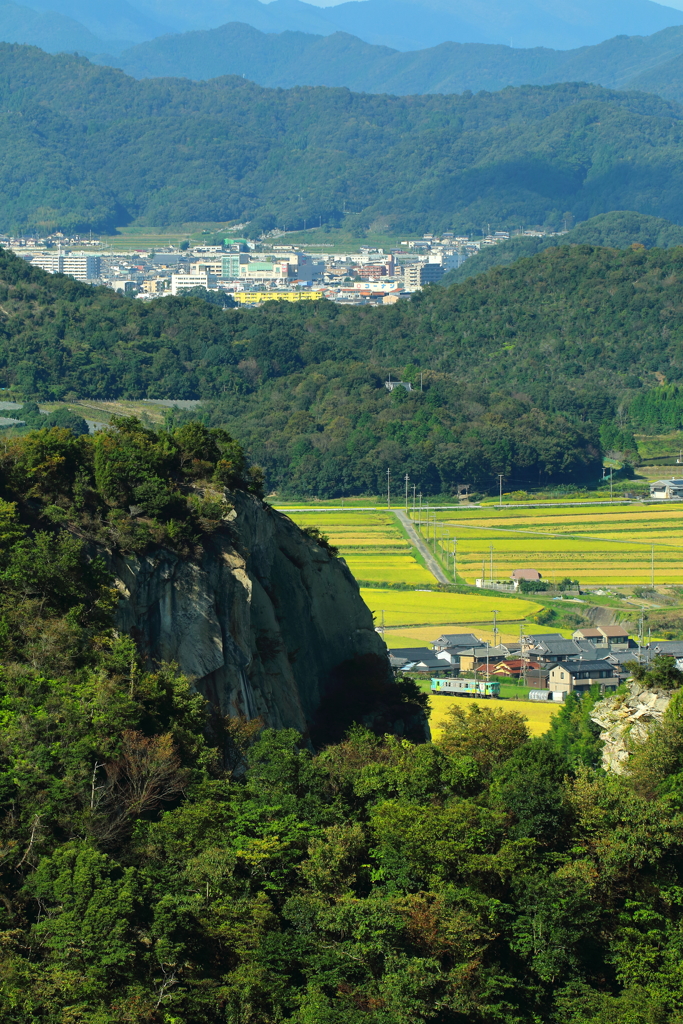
(664, 489)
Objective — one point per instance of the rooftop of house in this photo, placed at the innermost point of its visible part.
(672, 647)
(429, 664)
(500, 651)
(517, 663)
(525, 574)
(558, 647)
(456, 640)
(610, 631)
(411, 653)
(583, 665)
(623, 657)
(588, 634)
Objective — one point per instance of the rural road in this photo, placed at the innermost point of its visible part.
(415, 539)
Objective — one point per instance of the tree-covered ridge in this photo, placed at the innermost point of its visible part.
(521, 367)
(618, 229)
(101, 149)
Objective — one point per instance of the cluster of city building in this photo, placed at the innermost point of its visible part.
(549, 663)
(252, 271)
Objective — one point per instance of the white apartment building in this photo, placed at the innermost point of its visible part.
(53, 262)
(183, 282)
(83, 267)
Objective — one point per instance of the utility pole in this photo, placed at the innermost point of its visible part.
(407, 478)
(495, 628)
(500, 480)
(414, 501)
(388, 488)
(455, 551)
(522, 653)
(419, 522)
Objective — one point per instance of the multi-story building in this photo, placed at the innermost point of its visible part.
(81, 266)
(213, 267)
(230, 265)
(184, 282)
(53, 262)
(153, 286)
(417, 275)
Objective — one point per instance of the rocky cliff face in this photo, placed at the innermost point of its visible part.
(627, 720)
(263, 622)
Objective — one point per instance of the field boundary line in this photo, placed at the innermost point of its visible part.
(432, 564)
(592, 538)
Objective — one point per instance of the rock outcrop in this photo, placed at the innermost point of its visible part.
(627, 720)
(263, 621)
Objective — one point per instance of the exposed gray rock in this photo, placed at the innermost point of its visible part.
(260, 621)
(627, 720)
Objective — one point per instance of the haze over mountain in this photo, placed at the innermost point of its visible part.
(51, 31)
(294, 58)
(401, 24)
(110, 20)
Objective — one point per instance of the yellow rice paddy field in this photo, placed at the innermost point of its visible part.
(406, 607)
(538, 716)
(371, 543)
(596, 545)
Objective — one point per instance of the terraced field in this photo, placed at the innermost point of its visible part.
(372, 544)
(597, 545)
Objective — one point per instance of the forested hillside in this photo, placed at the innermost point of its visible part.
(521, 367)
(618, 229)
(100, 149)
(162, 863)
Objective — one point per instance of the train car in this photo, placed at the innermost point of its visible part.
(466, 687)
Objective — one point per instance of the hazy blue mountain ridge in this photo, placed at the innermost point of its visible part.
(51, 31)
(521, 23)
(401, 24)
(294, 58)
(108, 19)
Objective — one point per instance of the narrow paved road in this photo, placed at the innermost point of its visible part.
(415, 539)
